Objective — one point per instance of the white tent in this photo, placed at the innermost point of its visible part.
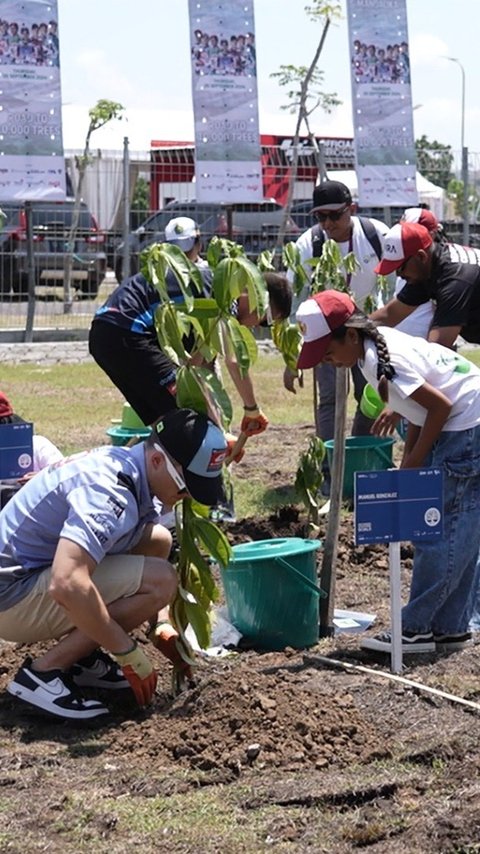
(428, 193)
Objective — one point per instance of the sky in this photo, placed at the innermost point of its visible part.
(138, 53)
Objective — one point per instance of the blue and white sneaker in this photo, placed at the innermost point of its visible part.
(54, 692)
(98, 670)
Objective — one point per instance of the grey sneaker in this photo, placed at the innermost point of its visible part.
(53, 692)
(98, 670)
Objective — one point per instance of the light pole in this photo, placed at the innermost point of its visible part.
(466, 224)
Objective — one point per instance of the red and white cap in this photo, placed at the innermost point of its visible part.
(318, 316)
(422, 216)
(402, 242)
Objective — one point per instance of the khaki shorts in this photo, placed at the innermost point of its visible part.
(38, 617)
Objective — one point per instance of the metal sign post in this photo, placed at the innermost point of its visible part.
(28, 336)
(393, 506)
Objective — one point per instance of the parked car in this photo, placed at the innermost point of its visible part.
(51, 222)
(254, 225)
(301, 212)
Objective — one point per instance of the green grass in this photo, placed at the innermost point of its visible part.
(73, 405)
(70, 402)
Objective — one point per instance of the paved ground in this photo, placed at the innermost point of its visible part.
(54, 352)
(46, 352)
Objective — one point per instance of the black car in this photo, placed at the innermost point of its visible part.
(51, 223)
(254, 225)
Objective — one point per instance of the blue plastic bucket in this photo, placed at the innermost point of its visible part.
(362, 453)
(272, 592)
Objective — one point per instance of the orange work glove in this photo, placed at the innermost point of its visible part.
(139, 672)
(254, 421)
(164, 638)
(231, 442)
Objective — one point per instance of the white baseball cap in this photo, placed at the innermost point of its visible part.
(182, 232)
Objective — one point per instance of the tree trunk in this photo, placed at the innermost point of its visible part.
(68, 262)
(328, 573)
(302, 116)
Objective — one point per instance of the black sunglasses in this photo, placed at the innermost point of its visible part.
(333, 216)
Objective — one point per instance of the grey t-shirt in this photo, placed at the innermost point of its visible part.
(99, 499)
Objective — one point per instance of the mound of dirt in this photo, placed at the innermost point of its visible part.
(239, 717)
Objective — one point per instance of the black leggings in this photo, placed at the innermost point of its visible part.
(137, 366)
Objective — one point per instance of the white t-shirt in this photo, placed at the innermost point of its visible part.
(44, 453)
(417, 362)
(364, 281)
(419, 321)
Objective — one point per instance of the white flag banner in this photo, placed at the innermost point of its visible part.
(225, 101)
(382, 102)
(31, 148)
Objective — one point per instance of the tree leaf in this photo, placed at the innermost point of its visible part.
(223, 278)
(161, 257)
(219, 393)
(189, 391)
(240, 341)
(170, 330)
(288, 340)
(199, 620)
(252, 279)
(213, 539)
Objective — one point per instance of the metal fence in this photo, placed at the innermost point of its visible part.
(128, 199)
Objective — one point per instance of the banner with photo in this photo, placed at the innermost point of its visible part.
(31, 148)
(382, 102)
(225, 101)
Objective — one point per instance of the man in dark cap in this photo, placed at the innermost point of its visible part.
(334, 209)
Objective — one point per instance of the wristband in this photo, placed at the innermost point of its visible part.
(251, 408)
(126, 652)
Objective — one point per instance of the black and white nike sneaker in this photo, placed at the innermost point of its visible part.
(53, 691)
(99, 671)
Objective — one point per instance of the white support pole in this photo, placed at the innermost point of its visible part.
(395, 607)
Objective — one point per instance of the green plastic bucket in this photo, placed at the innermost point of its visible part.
(362, 453)
(121, 435)
(128, 427)
(371, 404)
(272, 592)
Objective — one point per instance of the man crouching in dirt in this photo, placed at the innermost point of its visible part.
(83, 560)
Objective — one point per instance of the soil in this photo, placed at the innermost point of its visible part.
(295, 750)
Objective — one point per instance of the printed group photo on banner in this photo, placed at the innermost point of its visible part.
(31, 159)
(225, 102)
(214, 54)
(24, 44)
(385, 156)
(381, 64)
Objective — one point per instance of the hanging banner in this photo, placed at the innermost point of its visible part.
(31, 148)
(382, 102)
(225, 101)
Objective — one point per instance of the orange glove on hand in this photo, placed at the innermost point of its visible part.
(231, 442)
(138, 670)
(164, 638)
(253, 422)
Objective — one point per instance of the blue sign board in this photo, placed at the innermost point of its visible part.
(398, 504)
(16, 449)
